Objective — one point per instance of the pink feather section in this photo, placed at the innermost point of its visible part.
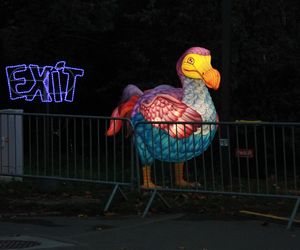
(122, 111)
(166, 108)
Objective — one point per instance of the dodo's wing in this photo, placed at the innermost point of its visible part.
(166, 108)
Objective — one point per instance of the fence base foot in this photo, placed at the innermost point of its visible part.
(154, 193)
(163, 200)
(292, 218)
(112, 195)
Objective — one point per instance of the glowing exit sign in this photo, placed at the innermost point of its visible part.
(49, 83)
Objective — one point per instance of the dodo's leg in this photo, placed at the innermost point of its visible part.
(179, 180)
(147, 182)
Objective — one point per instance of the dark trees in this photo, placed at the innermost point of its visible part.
(121, 42)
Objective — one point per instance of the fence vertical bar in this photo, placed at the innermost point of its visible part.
(256, 159)
(153, 150)
(161, 156)
(221, 159)
(30, 143)
(229, 157)
(185, 156)
(194, 159)
(238, 157)
(59, 147)
(8, 135)
(52, 146)
(247, 160)
(67, 147)
(203, 156)
(169, 149)
(138, 175)
(82, 149)
(212, 158)
(114, 153)
(1, 159)
(122, 151)
(45, 145)
(275, 154)
(265, 158)
(91, 149)
(145, 171)
(284, 158)
(132, 153)
(177, 152)
(98, 151)
(15, 143)
(75, 146)
(294, 158)
(195, 162)
(106, 153)
(37, 144)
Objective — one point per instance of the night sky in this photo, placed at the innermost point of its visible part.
(120, 42)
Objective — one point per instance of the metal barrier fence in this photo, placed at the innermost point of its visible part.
(239, 158)
(65, 147)
(255, 159)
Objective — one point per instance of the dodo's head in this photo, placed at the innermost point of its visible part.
(195, 63)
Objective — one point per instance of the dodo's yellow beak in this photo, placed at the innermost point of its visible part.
(199, 67)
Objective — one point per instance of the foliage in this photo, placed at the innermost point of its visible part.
(121, 42)
(265, 60)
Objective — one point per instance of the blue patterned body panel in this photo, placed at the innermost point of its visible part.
(153, 143)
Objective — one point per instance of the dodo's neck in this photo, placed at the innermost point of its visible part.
(196, 96)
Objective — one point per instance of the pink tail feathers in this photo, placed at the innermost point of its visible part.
(122, 111)
(115, 125)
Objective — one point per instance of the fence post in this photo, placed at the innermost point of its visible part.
(111, 197)
(293, 214)
(137, 168)
(132, 159)
(224, 147)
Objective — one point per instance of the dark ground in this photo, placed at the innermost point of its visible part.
(36, 198)
(158, 232)
(69, 216)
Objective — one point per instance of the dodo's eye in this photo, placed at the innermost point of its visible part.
(190, 60)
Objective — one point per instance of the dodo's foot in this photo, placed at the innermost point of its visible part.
(147, 182)
(186, 184)
(180, 181)
(150, 185)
